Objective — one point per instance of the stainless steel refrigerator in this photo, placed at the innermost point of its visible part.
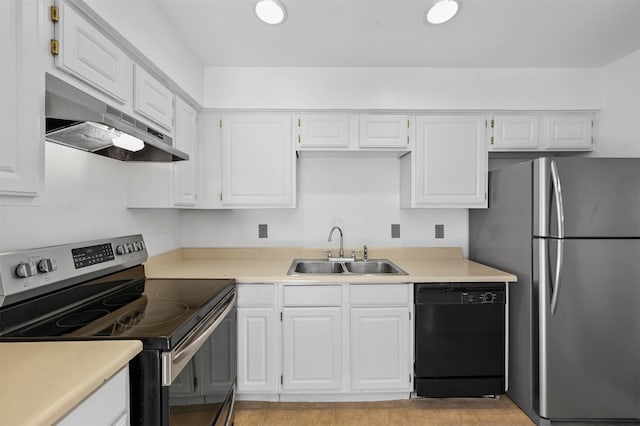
(569, 228)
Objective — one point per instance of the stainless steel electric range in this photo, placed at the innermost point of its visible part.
(97, 290)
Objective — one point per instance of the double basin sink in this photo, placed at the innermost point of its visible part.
(359, 267)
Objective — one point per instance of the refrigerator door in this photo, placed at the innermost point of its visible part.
(600, 197)
(589, 349)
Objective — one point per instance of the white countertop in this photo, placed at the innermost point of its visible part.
(40, 382)
(268, 265)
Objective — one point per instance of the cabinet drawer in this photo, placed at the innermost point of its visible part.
(313, 295)
(380, 294)
(255, 295)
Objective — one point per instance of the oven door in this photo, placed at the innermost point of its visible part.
(204, 390)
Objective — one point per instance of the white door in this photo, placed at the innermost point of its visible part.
(152, 99)
(385, 131)
(258, 161)
(380, 358)
(312, 349)
(323, 130)
(568, 132)
(515, 132)
(91, 56)
(185, 172)
(21, 99)
(450, 161)
(256, 350)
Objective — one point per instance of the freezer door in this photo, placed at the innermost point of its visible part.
(600, 197)
(589, 348)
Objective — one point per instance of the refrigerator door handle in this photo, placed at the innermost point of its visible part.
(557, 193)
(555, 285)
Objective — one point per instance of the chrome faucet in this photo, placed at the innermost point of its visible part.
(341, 254)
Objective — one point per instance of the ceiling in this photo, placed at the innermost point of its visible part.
(392, 33)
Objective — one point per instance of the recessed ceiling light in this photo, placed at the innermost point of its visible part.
(442, 11)
(271, 11)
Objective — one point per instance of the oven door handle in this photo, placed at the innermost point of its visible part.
(173, 362)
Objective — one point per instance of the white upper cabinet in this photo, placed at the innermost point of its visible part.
(92, 57)
(448, 164)
(568, 131)
(21, 100)
(258, 161)
(185, 172)
(152, 99)
(385, 131)
(515, 132)
(323, 130)
(550, 131)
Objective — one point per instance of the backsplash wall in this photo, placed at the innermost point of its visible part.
(359, 194)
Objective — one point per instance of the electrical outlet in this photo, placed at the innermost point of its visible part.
(395, 230)
(439, 231)
(262, 231)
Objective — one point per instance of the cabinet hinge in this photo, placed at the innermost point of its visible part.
(408, 140)
(491, 140)
(221, 196)
(408, 121)
(409, 316)
(195, 383)
(221, 124)
(493, 123)
(299, 122)
(54, 14)
(280, 316)
(55, 47)
(410, 377)
(298, 138)
(281, 379)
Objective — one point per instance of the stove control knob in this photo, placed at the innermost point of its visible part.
(47, 265)
(121, 250)
(26, 270)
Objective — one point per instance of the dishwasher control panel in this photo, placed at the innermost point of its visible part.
(482, 296)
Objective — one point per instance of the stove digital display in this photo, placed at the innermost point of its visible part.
(87, 256)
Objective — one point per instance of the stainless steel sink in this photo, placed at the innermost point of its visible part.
(358, 267)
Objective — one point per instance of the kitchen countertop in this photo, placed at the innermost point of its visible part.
(40, 382)
(268, 265)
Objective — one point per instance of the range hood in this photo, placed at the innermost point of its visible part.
(78, 120)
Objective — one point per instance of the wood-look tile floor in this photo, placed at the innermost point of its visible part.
(420, 411)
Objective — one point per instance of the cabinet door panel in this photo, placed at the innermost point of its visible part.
(312, 352)
(256, 350)
(568, 132)
(21, 100)
(450, 161)
(217, 364)
(152, 99)
(515, 132)
(380, 356)
(384, 131)
(258, 163)
(323, 130)
(90, 56)
(185, 172)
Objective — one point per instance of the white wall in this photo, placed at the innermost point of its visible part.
(146, 27)
(618, 124)
(402, 88)
(361, 195)
(84, 199)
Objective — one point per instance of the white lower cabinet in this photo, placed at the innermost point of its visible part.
(107, 406)
(324, 341)
(257, 340)
(257, 350)
(312, 349)
(380, 356)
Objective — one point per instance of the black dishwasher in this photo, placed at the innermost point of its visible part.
(459, 339)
